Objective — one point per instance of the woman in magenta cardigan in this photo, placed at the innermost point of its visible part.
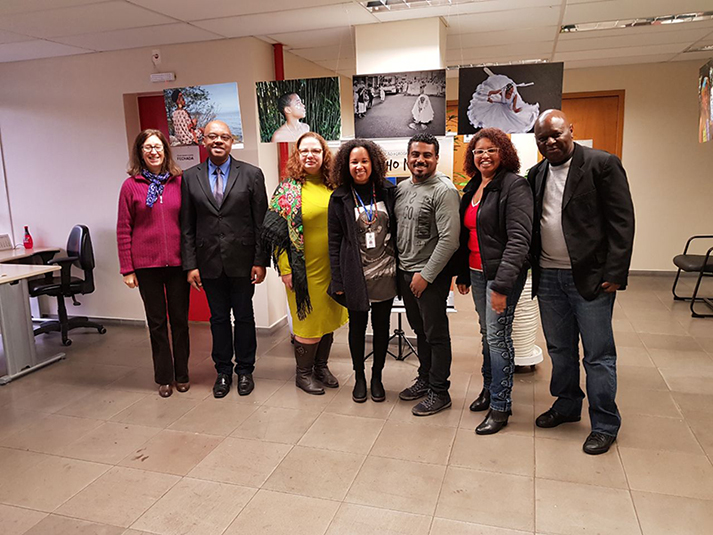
(149, 238)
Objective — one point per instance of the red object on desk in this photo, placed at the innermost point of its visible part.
(27, 241)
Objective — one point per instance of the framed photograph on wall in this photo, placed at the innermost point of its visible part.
(705, 101)
(289, 108)
(509, 97)
(400, 104)
(189, 109)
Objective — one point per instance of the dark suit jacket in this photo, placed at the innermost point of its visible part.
(597, 219)
(223, 238)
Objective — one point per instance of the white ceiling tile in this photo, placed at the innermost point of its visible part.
(8, 7)
(631, 51)
(314, 38)
(503, 37)
(693, 56)
(703, 25)
(294, 20)
(190, 10)
(179, 32)
(630, 9)
(504, 20)
(9, 37)
(453, 11)
(338, 65)
(539, 50)
(595, 42)
(608, 62)
(35, 50)
(77, 20)
(325, 53)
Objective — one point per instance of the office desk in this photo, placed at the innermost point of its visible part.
(19, 355)
(14, 256)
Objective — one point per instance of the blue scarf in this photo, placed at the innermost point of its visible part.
(156, 183)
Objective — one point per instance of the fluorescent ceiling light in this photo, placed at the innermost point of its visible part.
(632, 23)
(379, 6)
(495, 64)
(706, 48)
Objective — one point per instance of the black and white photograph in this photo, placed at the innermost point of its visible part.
(400, 104)
(508, 97)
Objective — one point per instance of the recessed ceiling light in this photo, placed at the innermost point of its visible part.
(379, 6)
(495, 64)
(632, 23)
(706, 48)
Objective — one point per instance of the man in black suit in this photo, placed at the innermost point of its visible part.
(223, 206)
(581, 248)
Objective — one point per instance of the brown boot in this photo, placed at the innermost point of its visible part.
(304, 355)
(321, 371)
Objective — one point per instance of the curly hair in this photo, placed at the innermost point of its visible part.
(136, 158)
(340, 169)
(295, 170)
(508, 155)
(424, 138)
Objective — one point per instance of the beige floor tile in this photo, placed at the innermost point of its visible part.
(692, 402)
(671, 358)
(277, 368)
(71, 372)
(508, 453)
(102, 405)
(396, 484)
(59, 525)
(275, 424)
(241, 462)
(640, 377)
(689, 381)
(415, 442)
(665, 472)
(119, 497)
(13, 420)
(476, 496)
(567, 508)
(154, 411)
(701, 423)
(139, 380)
(288, 396)
(52, 397)
(664, 515)
(342, 433)
(275, 513)
(360, 520)
(172, 452)
(264, 390)
(51, 434)
(669, 342)
(195, 507)
(633, 356)
(633, 401)
(443, 526)
(109, 443)
(49, 483)
(345, 405)
(213, 417)
(656, 433)
(626, 339)
(14, 462)
(314, 472)
(135, 532)
(16, 521)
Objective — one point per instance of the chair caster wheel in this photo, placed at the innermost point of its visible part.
(67, 342)
(102, 330)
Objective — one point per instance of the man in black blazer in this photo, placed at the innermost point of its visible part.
(581, 250)
(223, 206)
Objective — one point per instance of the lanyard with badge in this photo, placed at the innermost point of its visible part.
(369, 215)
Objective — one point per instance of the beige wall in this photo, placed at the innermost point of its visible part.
(670, 173)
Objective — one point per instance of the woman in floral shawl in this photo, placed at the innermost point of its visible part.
(295, 230)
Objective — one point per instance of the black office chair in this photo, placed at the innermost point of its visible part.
(695, 263)
(81, 254)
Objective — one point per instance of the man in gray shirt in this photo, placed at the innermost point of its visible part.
(427, 217)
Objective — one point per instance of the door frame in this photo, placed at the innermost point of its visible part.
(620, 93)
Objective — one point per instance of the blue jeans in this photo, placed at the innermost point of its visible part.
(567, 316)
(496, 331)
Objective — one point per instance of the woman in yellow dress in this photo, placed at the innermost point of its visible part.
(295, 229)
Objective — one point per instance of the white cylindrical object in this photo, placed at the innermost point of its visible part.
(524, 328)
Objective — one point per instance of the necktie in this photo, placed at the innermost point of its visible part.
(218, 189)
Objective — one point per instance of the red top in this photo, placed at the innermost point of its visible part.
(471, 216)
(148, 237)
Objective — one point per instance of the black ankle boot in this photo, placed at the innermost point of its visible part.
(494, 422)
(482, 402)
(359, 392)
(378, 393)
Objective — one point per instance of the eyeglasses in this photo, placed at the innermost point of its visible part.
(148, 148)
(224, 137)
(489, 152)
(306, 152)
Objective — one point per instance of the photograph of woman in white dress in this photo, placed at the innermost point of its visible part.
(422, 112)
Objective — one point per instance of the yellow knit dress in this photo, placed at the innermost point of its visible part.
(327, 315)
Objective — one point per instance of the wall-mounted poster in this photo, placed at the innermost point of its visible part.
(705, 100)
(509, 97)
(189, 109)
(289, 108)
(400, 104)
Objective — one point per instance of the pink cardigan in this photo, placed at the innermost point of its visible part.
(148, 237)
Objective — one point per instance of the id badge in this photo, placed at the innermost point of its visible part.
(370, 240)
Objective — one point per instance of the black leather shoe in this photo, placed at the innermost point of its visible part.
(245, 384)
(416, 391)
(482, 402)
(552, 418)
(378, 393)
(494, 422)
(598, 443)
(222, 385)
(359, 392)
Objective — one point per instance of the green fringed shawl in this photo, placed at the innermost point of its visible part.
(282, 232)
